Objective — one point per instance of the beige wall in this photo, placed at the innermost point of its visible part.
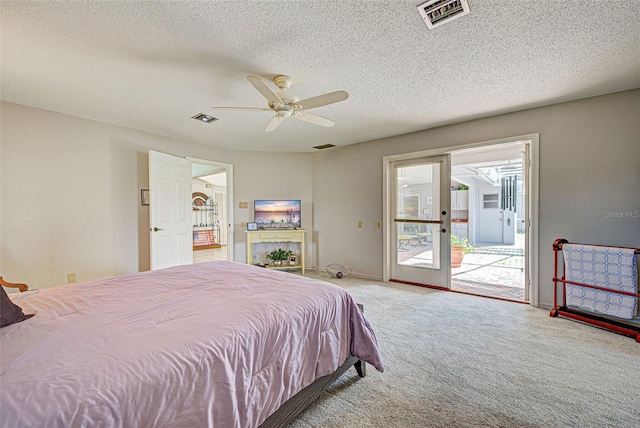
(70, 192)
(589, 168)
(71, 195)
(70, 187)
(263, 175)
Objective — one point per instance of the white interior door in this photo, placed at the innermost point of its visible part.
(170, 210)
(420, 198)
(490, 217)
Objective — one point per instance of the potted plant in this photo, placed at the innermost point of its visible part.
(278, 255)
(459, 247)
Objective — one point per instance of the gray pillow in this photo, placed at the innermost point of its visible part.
(10, 313)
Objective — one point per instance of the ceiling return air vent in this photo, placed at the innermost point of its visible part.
(324, 146)
(204, 118)
(438, 12)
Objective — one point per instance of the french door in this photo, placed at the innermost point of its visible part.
(419, 236)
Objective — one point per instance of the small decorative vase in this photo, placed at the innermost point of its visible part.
(277, 262)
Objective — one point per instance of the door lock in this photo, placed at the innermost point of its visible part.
(443, 230)
(155, 229)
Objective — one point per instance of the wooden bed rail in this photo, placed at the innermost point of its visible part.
(19, 286)
(604, 322)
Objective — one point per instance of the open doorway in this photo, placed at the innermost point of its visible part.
(489, 191)
(210, 211)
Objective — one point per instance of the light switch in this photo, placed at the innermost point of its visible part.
(244, 204)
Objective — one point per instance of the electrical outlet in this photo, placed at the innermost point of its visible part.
(71, 278)
(378, 225)
(360, 224)
(243, 224)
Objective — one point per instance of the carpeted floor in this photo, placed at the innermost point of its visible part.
(455, 360)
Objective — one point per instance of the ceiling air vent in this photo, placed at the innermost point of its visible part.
(324, 146)
(438, 12)
(204, 118)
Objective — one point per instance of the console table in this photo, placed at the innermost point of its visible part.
(283, 235)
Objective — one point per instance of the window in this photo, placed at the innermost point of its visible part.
(490, 201)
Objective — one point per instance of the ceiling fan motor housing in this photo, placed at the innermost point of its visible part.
(287, 97)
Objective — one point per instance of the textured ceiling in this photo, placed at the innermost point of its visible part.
(153, 65)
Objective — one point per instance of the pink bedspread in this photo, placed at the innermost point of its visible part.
(214, 344)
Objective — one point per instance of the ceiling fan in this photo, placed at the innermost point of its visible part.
(284, 104)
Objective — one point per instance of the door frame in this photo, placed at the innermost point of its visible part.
(229, 206)
(532, 142)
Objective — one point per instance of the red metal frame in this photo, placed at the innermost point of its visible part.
(616, 326)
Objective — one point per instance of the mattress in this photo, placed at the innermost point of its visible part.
(217, 344)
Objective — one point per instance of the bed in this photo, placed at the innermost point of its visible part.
(218, 344)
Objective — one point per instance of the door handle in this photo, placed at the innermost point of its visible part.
(155, 229)
(443, 230)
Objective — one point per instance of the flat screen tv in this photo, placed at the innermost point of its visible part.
(277, 214)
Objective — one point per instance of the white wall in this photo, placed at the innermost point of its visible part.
(71, 195)
(589, 170)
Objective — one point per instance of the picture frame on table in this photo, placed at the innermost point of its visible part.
(293, 260)
(252, 226)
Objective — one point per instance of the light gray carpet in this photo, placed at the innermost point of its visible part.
(454, 360)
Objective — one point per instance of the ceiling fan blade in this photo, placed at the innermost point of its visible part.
(313, 118)
(273, 123)
(266, 91)
(243, 108)
(323, 100)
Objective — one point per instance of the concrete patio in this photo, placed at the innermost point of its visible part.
(495, 271)
(490, 270)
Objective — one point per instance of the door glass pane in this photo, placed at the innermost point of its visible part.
(418, 198)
